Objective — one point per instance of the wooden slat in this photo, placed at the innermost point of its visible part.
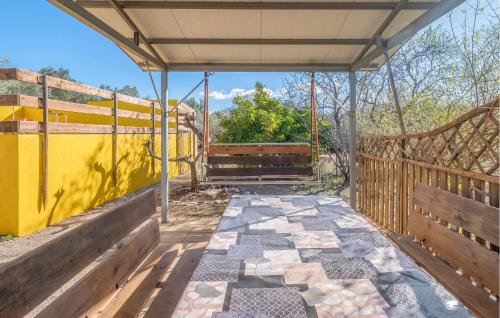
(411, 189)
(31, 278)
(113, 269)
(386, 195)
(258, 160)
(469, 174)
(261, 149)
(478, 218)
(376, 189)
(33, 127)
(17, 126)
(474, 298)
(390, 195)
(473, 259)
(223, 172)
(59, 105)
(53, 82)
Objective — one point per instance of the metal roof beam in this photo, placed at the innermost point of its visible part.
(381, 29)
(79, 13)
(258, 67)
(118, 8)
(409, 31)
(242, 5)
(258, 41)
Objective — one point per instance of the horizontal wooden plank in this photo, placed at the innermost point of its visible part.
(259, 160)
(259, 149)
(245, 172)
(471, 296)
(473, 259)
(113, 269)
(59, 105)
(33, 127)
(31, 278)
(19, 126)
(53, 82)
(475, 217)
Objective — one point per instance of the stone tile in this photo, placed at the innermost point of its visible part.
(275, 302)
(233, 211)
(390, 259)
(272, 263)
(315, 239)
(301, 212)
(217, 268)
(263, 211)
(265, 241)
(304, 273)
(198, 305)
(337, 266)
(350, 298)
(242, 252)
(374, 238)
(222, 241)
(232, 314)
(232, 224)
(268, 223)
(289, 228)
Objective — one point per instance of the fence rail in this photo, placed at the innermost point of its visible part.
(460, 157)
(403, 179)
(147, 112)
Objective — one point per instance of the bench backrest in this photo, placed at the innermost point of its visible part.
(452, 226)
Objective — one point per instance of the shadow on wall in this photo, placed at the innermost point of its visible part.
(81, 183)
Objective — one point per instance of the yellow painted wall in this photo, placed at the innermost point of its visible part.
(80, 174)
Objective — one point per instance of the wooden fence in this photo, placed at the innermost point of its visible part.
(438, 176)
(460, 157)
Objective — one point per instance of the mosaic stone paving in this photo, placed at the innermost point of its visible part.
(307, 256)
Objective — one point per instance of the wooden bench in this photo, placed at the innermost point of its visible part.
(277, 160)
(118, 240)
(450, 249)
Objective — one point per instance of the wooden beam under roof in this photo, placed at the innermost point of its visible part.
(253, 5)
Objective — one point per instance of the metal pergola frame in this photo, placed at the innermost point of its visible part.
(364, 61)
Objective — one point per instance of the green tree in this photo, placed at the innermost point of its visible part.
(125, 90)
(262, 118)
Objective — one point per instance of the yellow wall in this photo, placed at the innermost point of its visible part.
(80, 174)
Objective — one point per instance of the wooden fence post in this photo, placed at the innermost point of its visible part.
(399, 188)
(45, 144)
(153, 136)
(115, 139)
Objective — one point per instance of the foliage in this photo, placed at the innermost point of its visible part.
(262, 118)
(125, 90)
(441, 73)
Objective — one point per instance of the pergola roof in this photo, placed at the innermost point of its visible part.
(249, 35)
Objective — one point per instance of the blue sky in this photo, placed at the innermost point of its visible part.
(48, 37)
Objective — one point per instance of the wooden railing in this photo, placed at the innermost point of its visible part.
(147, 113)
(411, 183)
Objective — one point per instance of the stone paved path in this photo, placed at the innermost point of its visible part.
(307, 256)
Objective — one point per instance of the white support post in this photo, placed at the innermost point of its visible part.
(164, 146)
(352, 140)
